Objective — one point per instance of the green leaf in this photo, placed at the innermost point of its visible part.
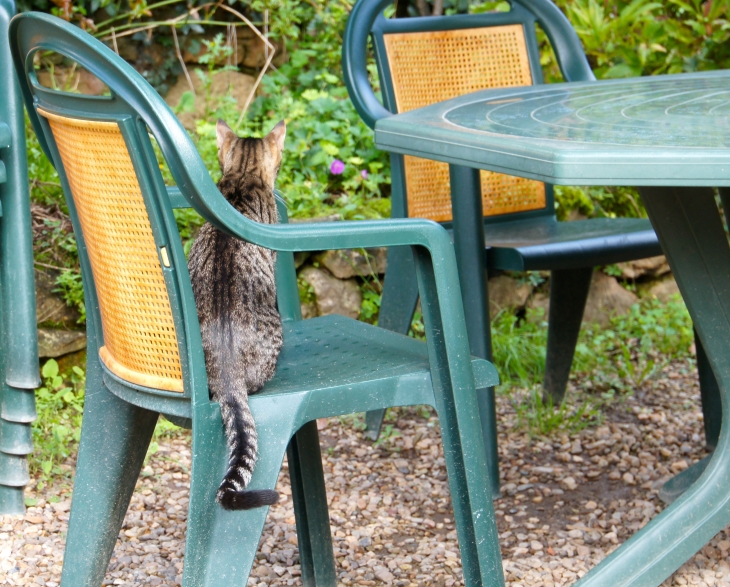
(50, 369)
(621, 70)
(329, 148)
(187, 102)
(46, 466)
(312, 95)
(153, 448)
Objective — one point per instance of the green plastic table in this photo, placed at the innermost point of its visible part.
(669, 135)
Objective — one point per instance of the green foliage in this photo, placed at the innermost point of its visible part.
(57, 429)
(519, 349)
(609, 361)
(322, 127)
(370, 305)
(354, 421)
(636, 346)
(598, 202)
(619, 357)
(540, 416)
(640, 37)
(45, 187)
(306, 291)
(71, 287)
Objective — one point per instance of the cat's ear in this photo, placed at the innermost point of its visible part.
(277, 135)
(225, 137)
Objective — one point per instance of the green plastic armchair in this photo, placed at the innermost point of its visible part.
(18, 334)
(423, 60)
(144, 349)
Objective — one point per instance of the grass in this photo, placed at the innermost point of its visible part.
(609, 362)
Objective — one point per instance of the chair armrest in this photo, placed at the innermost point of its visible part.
(354, 61)
(320, 236)
(177, 200)
(563, 38)
(316, 236)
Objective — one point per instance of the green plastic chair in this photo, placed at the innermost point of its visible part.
(123, 219)
(425, 60)
(18, 334)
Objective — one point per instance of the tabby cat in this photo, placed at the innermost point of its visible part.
(235, 295)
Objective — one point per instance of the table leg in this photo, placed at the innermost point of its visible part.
(688, 225)
(471, 257)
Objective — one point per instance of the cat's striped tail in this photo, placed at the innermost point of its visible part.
(243, 444)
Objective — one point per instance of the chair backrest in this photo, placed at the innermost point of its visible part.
(139, 332)
(432, 59)
(140, 308)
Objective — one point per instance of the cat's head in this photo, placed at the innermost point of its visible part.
(239, 155)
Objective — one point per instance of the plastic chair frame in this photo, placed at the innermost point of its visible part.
(212, 558)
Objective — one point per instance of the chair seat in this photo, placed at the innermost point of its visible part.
(544, 243)
(354, 363)
(330, 365)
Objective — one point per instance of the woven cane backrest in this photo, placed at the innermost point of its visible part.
(140, 341)
(429, 67)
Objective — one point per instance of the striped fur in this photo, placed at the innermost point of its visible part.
(235, 295)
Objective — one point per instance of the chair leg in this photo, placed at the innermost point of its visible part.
(220, 546)
(114, 440)
(461, 433)
(710, 393)
(400, 295)
(316, 555)
(568, 294)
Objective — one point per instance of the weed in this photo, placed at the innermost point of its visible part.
(388, 434)
(540, 416)
(71, 287)
(306, 291)
(57, 429)
(518, 347)
(370, 305)
(354, 421)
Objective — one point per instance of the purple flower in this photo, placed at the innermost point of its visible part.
(364, 173)
(337, 167)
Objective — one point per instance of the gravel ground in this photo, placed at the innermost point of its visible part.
(568, 501)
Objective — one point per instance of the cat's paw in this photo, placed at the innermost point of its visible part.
(231, 499)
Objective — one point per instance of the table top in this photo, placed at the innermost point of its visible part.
(661, 130)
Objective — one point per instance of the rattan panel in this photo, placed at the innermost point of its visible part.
(139, 333)
(434, 66)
